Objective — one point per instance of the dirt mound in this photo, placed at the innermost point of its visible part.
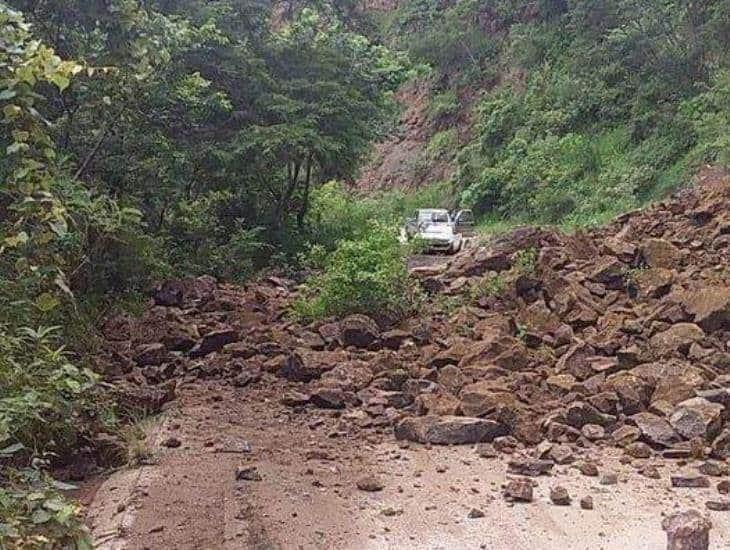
(615, 336)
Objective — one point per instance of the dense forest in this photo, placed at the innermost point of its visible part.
(148, 139)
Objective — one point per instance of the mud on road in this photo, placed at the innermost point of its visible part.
(308, 497)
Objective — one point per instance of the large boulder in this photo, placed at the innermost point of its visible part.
(305, 365)
(484, 397)
(697, 417)
(676, 339)
(448, 430)
(660, 253)
(710, 307)
(214, 341)
(359, 331)
(655, 430)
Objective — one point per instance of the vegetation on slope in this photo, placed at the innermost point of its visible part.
(586, 108)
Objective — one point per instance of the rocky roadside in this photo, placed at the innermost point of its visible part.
(543, 347)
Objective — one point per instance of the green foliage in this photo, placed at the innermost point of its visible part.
(600, 105)
(367, 275)
(487, 286)
(443, 145)
(34, 514)
(442, 106)
(47, 403)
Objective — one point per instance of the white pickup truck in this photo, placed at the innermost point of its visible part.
(440, 231)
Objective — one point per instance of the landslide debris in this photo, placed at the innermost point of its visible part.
(615, 336)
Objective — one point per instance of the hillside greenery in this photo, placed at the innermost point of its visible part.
(584, 109)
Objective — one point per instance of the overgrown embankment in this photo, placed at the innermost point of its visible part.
(560, 112)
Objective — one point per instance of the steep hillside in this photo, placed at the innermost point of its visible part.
(554, 111)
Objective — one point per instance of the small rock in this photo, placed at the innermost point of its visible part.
(475, 513)
(724, 487)
(519, 490)
(687, 531)
(638, 449)
(689, 480)
(588, 469)
(370, 484)
(486, 450)
(609, 478)
(172, 443)
(529, 467)
(248, 473)
(718, 505)
(650, 471)
(593, 432)
(713, 469)
(586, 503)
(561, 454)
(559, 496)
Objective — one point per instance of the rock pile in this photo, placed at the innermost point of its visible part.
(619, 336)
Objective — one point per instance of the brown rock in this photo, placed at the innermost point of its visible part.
(248, 473)
(486, 450)
(483, 398)
(440, 403)
(559, 496)
(625, 435)
(660, 253)
(519, 490)
(677, 339)
(697, 417)
(638, 450)
(593, 432)
(393, 339)
(586, 503)
(718, 505)
(370, 484)
(689, 480)
(710, 307)
(328, 398)
(151, 355)
(609, 478)
(448, 430)
(214, 341)
(687, 531)
(588, 469)
(721, 445)
(359, 331)
(654, 282)
(654, 429)
(529, 467)
(724, 487)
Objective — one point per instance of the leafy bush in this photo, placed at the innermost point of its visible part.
(443, 105)
(443, 145)
(46, 402)
(367, 275)
(34, 514)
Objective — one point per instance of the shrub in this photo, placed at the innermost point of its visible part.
(443, 145)
(443, 105)
(367, 275)
(46, 402)
(33, 513)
